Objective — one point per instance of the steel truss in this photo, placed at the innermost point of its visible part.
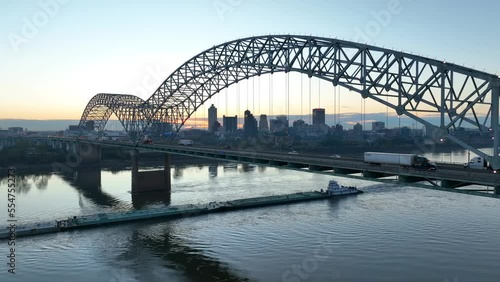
(412, 85)
(129, 110)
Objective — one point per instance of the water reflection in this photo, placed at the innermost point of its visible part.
(178, 171)
(144, 200)
(229, 167)
(87, 181)
(180, 254)
(247, 167)
(24, 181)
(213, 170)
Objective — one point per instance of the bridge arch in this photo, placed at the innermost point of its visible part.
(406, 83)
(127, 108)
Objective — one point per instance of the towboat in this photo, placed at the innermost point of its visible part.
(335, 189)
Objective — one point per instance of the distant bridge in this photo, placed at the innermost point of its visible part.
(408, 84)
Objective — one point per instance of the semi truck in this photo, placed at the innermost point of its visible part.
(186, 142)
(477, 163)
(404, 160)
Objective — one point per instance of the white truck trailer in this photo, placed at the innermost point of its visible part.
(405, 160)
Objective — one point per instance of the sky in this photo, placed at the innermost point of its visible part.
(56, 54)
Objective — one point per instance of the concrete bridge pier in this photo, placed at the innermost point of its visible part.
(86, 154)
(150, 181)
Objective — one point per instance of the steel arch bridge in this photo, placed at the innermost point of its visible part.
(407, 83)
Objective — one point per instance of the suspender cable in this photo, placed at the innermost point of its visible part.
(258, 93)
(339, 112)
(361, 111)
(237, 102)
(364, 113)
(195, 116)
(387, 110)
(319, 93)
(253, 94)
(335, 105)
(271, 90)
(287, 100)
(269, 98)
(301, 94)
(310, 108)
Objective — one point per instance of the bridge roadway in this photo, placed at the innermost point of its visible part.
(447, 177)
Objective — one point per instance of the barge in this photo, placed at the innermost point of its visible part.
(75, 222)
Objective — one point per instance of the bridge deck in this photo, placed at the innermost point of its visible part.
(345, 167)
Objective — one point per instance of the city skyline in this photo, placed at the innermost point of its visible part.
(42, 66)
(201, 121)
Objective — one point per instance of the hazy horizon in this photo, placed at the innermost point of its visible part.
(52, 69)
(346, 120)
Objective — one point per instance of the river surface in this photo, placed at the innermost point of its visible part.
(389, 233)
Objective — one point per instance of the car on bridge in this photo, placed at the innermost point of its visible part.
(293, 153)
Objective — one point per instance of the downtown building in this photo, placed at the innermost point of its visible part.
(230, 124)
(318, 117)
(263, 125)
(378, 126)
(250, 124)
(212, 119)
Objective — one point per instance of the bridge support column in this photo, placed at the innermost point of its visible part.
(89, 154)
(150, 181)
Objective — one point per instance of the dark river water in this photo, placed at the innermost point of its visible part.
(389, 233)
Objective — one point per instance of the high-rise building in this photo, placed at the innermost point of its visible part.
(278, 125)
(358, 128)
(17, 129)
(283, 119)
(378, 125)
(250, 124)
(212, 118)
(318, 117)
(263, 125)
(230, 124)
